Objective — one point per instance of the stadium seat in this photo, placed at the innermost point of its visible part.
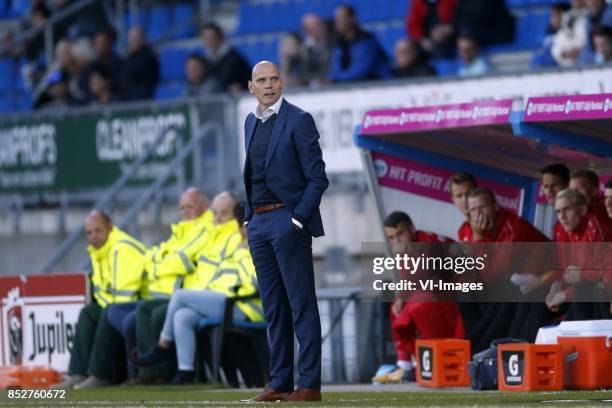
(137, 19)
(158, 23)
(184, 19)
(6, 104)
(19, 7)
(7, 74)
(169, 90)
(445, 67)
(173, 63)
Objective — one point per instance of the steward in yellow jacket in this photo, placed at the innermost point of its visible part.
(118, 265)
(236, 277)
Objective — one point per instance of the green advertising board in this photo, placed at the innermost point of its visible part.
(89, 151)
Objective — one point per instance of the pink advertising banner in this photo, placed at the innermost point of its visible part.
(602, 182)
(436, 117)
(433, 182)
(568, 107)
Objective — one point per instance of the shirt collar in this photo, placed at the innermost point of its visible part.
(268, 112)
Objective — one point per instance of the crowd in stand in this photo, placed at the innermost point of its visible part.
(88, 70)
(568, 291)
(578, 33)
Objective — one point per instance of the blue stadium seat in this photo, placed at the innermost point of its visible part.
(6, 104)
(19, 7)
(445, 67)
(158, 23)
(7, 74)
(169, 90)
(172, 61)
(185, 17)
(390, 36)
(246, 19)
(137, 19)
(23, 102)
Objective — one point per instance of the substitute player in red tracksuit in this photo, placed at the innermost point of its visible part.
(420, 315)
(572, 280)
(490, 223)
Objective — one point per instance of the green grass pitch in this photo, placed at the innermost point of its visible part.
(200, 395)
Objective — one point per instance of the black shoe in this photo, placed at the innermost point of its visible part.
(154, 356)
(183, 377)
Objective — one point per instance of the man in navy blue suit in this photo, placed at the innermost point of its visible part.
(284, 177)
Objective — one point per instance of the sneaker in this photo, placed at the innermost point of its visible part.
(396, 376)
(183, 377)
(154, 356)
(92, 382)
(69, 382)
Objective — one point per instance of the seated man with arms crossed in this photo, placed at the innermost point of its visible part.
(420, 315)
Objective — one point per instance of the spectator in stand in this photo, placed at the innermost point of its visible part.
(418, 314)
(226, 63)
(602, 42)
(35, 45)
(101, 86)
(106, 57)
(83, 54)
(357, 56)
(291, 60)
(600, 15)
(410, 60)
(430, 23)
(489, 21)
(460, 185)
(199, 80)
(139, 73)
(471, 61)
(543, 57)
(316, 50)
(57, 95)
(572, 37)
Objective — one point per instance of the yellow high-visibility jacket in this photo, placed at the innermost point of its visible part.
(118, 269)
(168, 263)
(223, 243)
(236, 277)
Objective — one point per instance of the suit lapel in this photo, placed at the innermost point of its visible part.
(276, 132)
(249, 130)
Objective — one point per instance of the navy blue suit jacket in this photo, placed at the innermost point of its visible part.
(295, 170)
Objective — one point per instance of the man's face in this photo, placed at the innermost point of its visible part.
(405, 54)
(481, 206)
(582, 185)
(135, 39)
(467, 50)
(551, 185)
(191, 206)
(608, 197)
(594, 6)
(343, 21)
(97, 84)
(569, 215)
(223, 210)
(266, 84)
(102, 43)
(194, 71)
(459, 196)
(399, 236)
(211, 39)
(97, 231)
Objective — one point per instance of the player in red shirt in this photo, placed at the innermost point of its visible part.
(490, 223)
(608, 272)
(420, 315)
(460, 185)
(580, 226)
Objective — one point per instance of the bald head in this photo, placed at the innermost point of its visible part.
(98, 226)
(266, 84)
(223, 207)
(193, 203)
(314, 27)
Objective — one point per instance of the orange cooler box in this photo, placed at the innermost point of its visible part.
(588, 361)
(529, 367)
(443, 362)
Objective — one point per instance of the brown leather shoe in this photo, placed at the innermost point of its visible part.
(305, 394)
(269, 395)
